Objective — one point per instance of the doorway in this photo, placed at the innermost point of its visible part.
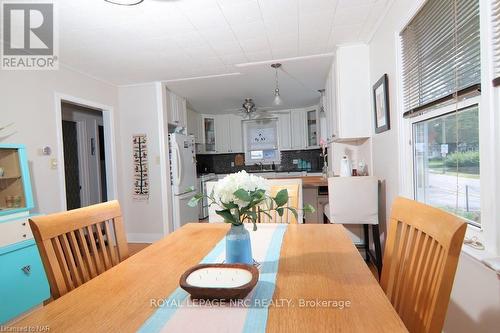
(83, 136)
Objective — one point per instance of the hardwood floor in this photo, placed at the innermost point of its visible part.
(133, 248)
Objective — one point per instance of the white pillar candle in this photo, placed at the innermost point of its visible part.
(219, 277)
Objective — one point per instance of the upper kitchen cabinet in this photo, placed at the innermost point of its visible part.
(228, 134)
(284, 139)
(347, 95)
(177, 110)
(195, 125)
(221, 134)
(236, 134)
(298, 128)
(208, 133)
(312, 128)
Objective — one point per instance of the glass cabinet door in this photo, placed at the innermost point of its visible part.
(209, 128)
(312, 129)
(11, 182)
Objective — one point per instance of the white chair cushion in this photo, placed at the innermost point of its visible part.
(353, 200)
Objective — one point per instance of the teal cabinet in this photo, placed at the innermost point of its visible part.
(23, 283)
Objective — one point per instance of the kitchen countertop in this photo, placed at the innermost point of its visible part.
(310, 181)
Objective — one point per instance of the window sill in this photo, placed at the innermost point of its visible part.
(479, 256)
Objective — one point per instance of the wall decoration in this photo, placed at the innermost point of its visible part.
(141, 174)
(381, 105)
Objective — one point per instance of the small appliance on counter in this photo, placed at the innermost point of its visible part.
(23, 283)
(183, 176)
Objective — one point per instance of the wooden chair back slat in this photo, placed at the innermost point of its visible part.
(93, 246)
(102, 250)
(420, 262)
(89, 261)
(80, 244)
(70, 260)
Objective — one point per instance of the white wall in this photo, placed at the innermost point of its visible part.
(27, 98)
(475, 302)
(139, 106)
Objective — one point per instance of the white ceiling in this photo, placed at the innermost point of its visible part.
(176, 39)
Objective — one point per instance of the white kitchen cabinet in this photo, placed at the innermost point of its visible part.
(208, 133)
(312, 127)
(236, 134)
(228, 134)
(350, 93)
(222, 134)
(177, 110)
(195, 125)
(284, 139)
(298, 121)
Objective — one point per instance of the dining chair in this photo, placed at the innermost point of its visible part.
(295, 200)
(420, 261)
(79, 244)
(354, 200)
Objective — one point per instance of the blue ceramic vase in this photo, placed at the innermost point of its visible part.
(238, 246)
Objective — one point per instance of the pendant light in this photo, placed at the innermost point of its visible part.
(277, 97)
(125, 2)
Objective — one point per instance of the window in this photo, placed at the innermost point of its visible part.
(441, 64)
(446, 162)
(441, 53)
(261, 141)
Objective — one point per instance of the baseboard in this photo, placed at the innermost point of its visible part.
(143, 238)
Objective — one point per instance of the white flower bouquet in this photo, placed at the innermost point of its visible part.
(243, 197)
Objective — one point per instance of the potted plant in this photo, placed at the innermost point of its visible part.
(242, 197)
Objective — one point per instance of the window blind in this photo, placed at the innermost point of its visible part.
(437, 64)
(495, 14)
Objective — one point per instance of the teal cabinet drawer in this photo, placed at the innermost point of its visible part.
(23, 283)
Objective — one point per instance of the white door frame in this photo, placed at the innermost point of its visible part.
(109, 144)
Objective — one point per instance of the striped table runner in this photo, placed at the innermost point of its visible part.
(178, 313)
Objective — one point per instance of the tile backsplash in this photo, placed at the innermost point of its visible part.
(221, 163)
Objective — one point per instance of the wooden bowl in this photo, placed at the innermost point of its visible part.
(219, 281)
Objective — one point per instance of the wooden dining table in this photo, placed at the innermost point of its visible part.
(318, 266)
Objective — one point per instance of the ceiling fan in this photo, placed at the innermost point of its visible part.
(249, 110)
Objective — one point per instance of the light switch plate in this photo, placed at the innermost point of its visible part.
(53, 163)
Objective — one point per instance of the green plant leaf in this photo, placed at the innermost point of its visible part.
(193, 202)
(243, 195)
(190, 189)
(230, 205)
(280, 211)
(281, 198)
(309, 209)
(227, 216)
(294, 212)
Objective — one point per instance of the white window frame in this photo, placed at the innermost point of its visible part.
(489, 138)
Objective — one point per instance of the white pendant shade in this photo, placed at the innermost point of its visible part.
(125, 2)
(277, 100)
